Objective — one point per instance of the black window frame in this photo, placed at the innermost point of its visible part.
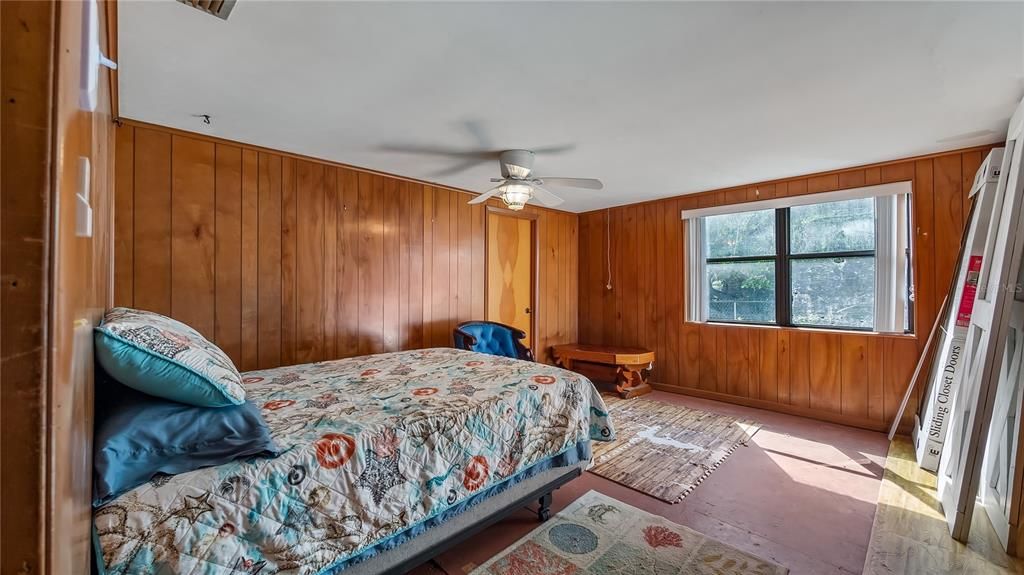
(783, 277)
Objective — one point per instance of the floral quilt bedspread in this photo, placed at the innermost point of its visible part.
(372, 446)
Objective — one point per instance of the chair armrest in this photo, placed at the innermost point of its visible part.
(522, 351)
(525, 353)
(470, 340)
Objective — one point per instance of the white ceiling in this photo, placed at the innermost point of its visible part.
(658, 99)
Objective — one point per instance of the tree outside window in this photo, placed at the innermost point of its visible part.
(808, 265)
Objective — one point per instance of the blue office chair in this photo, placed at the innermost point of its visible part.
(493, 338)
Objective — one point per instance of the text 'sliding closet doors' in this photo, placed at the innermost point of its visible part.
(510, 252)
(960, 467)
(947, 368)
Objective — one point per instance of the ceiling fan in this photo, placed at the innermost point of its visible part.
(517, 184)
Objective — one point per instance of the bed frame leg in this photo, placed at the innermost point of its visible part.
(544, 512)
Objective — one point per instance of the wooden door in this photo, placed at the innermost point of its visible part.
(510, 271)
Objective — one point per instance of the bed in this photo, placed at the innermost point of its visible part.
(384, 459)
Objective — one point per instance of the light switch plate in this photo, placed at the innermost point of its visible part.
(83, 210)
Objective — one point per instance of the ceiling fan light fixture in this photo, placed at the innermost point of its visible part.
(515, 195)
(517, 184)
(518, 172)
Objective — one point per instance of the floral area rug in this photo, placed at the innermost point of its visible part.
(598, 535)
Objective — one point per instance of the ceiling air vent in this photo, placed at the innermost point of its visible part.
(219, 8)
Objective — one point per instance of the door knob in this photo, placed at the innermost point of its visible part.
(527, 310)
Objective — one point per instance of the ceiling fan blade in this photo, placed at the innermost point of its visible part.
(546, 198)
(476, 129)
(969, 136)
(588, 183)
(479, 155)
(460, 167)
(484, 196)
(551, 150)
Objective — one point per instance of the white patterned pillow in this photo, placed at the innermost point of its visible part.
(166, 358)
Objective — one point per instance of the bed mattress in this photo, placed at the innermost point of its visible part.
(374, 448)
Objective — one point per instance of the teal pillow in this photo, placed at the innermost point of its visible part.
(166, 358)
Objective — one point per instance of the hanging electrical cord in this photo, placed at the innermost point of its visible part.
(608, 245)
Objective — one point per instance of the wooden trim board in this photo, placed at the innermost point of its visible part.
(770, 406)
(28, 38)
(56, 283)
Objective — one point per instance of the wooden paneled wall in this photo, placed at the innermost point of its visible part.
(282, 259)
(853, 378)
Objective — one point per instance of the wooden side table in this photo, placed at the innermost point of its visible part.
(632, 364)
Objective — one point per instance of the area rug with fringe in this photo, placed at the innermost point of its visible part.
(666, 450)
(598, 535)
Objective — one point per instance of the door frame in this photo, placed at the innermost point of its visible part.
(534, 260)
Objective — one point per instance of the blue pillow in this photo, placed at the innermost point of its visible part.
(166, 358)
(139, 436)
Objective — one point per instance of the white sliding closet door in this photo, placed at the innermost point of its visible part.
(960, 466)
(1001, 471)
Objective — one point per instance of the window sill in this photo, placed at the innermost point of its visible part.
(840, 331)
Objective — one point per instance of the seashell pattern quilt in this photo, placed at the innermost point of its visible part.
(372, 446)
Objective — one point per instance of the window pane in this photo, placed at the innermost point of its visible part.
(744, 234)
(836, 292)
(742, 291)
(833, 227)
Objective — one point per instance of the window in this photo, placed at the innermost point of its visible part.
(741, 267)
(841, 264)
(832, 264)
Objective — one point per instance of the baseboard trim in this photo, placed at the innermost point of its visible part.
(859, 422)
